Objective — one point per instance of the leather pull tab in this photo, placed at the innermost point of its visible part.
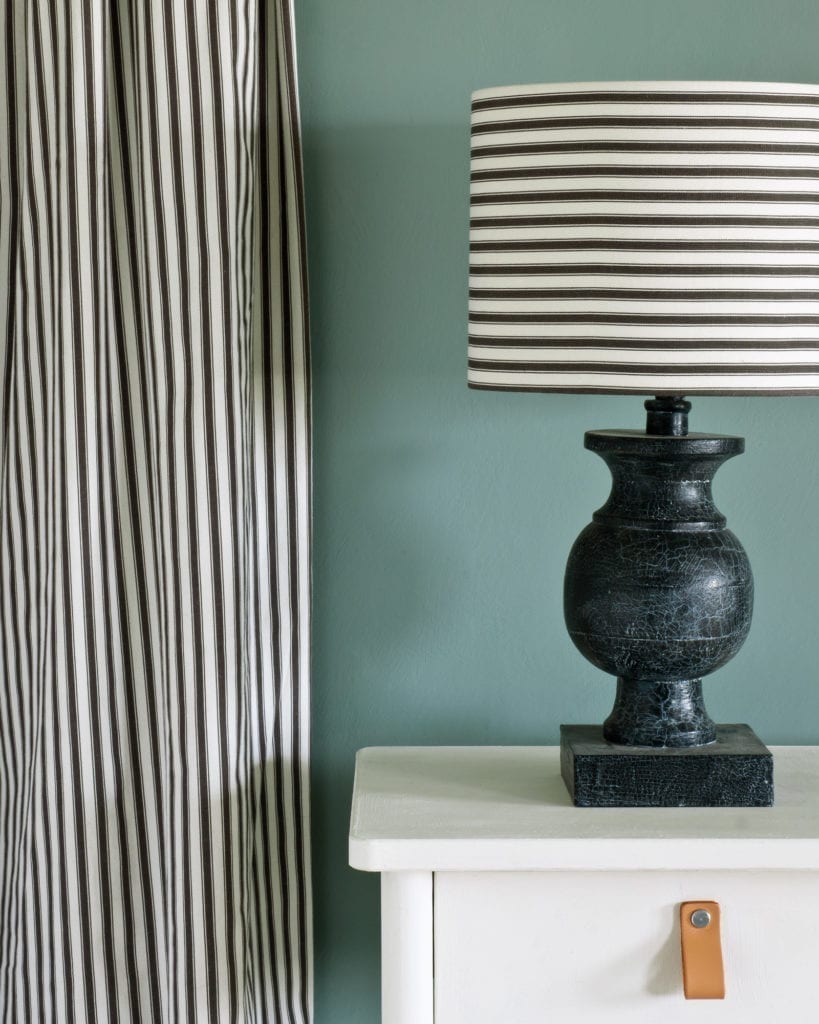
(703, 976)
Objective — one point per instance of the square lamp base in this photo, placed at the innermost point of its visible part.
(736, 770)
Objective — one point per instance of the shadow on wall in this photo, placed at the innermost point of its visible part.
(347, 910)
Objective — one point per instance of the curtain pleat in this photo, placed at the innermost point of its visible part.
(154, 515)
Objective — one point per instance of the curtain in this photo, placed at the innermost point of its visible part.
(154, 515)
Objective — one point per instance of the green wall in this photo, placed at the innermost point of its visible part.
(443, 517)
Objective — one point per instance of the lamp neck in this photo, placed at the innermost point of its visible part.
(667, 415)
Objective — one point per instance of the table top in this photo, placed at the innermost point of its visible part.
(507, 809)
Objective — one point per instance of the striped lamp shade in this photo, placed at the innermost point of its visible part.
(645, 237)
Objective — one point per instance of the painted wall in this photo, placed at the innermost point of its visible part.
(443, 517)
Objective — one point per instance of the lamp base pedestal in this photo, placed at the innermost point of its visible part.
(736, 770)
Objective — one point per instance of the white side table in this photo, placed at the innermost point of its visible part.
(502, 903)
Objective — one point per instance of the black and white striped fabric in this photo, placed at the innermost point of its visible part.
(154, 516)
(645, 237)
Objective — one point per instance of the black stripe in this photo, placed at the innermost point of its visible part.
(640, 245)
(48, 58)
(646, 294)
(638, 220)
(657, 369)
(643, 269)
(115, 601)
(643, 96)
(789, 319)
(166, 589)
(641, 146)
(231, 779)
(648, 123)
(642, 171)
(147, 410)
(640, 196)
(197, 544)
(619, 343)
(145, 785)
(176, 490)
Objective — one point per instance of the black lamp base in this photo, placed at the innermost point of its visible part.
(736, 770)
(658, 593)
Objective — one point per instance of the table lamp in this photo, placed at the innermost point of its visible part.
(659, 239)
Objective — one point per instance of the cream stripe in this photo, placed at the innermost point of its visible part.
(672, 357)
(744, 282)
(664, 334)
(664, 258)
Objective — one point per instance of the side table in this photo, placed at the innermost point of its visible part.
(502, 903)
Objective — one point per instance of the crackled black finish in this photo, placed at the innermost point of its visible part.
(658, 592)
(736, 770)
(667, 414)
(658, 714)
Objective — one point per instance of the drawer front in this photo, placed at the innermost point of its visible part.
(530, 948)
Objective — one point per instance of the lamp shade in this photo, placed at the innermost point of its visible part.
(645, 238)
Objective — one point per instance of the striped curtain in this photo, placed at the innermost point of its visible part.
(154, 515)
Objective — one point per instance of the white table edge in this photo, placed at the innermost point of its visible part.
(582, 854)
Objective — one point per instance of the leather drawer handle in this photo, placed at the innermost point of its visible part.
(703, 976)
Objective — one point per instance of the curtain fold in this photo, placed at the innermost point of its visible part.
(154, 515)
